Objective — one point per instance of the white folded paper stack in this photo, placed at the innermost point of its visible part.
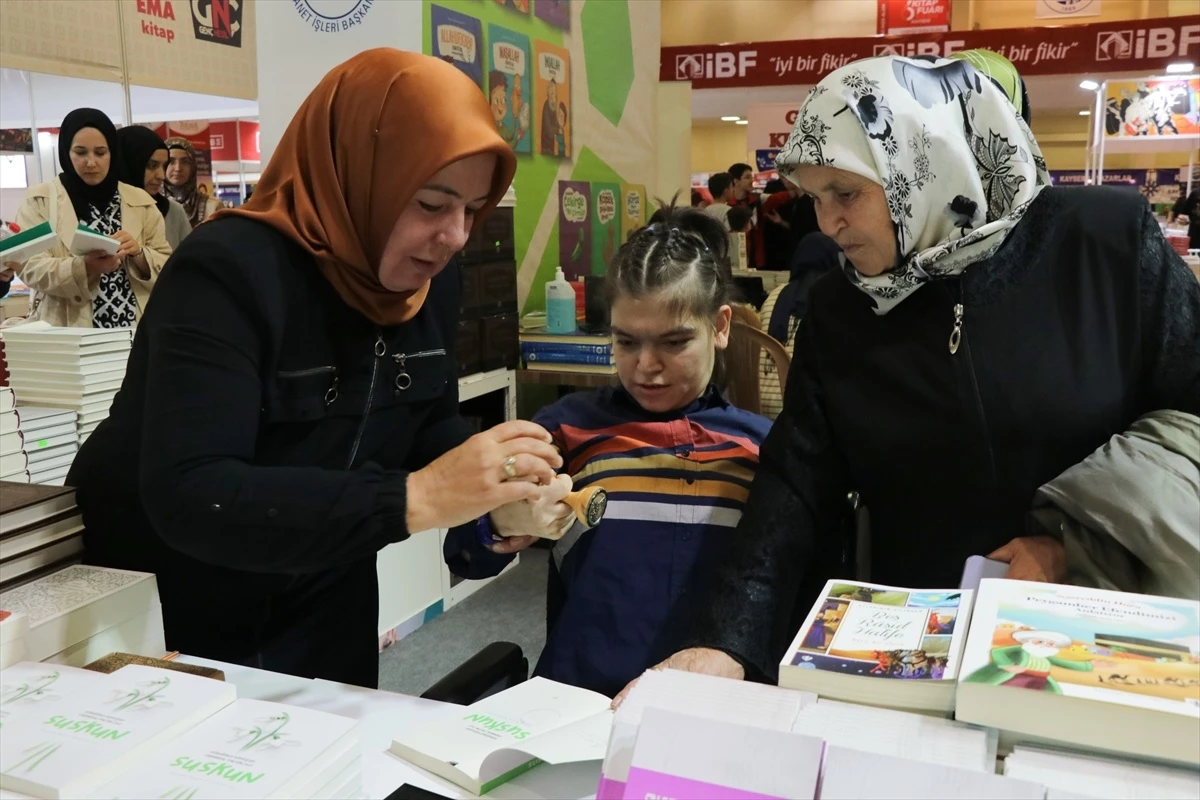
(13, 464)
(252, 749)
(51, 441)
(83, 613)
(14, 647)
(74, 368)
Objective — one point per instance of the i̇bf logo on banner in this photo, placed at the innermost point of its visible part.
(696, 66)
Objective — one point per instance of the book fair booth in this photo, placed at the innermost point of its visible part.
(991, 688)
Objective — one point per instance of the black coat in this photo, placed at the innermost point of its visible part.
(1082, 321)
(257, 453)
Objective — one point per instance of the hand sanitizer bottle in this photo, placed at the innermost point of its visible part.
(560, 304)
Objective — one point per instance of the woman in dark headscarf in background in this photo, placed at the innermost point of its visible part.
(785, 305)
(181, 181)
(144, 164)
(94, 289)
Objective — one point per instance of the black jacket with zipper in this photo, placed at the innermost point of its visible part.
(1082, 321)
(257, 452)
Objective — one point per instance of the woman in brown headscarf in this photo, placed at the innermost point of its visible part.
(291, 406)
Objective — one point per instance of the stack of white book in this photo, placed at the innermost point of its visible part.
(1066, 774)
(854, 775)
(29, 685)
(76, 368)
(738, 705)
(41, 531)
(72, 746)
(51, 440)
(255, 750)
(14, 467)
(14, 632)
(81, 613)
(900, 734)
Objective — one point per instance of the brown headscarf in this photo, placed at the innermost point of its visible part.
(374, 130)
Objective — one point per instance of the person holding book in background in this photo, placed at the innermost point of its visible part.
(143, 163)
(675, 458)
(986, 332)
(96, 289)
(290, 407)
(182, 184)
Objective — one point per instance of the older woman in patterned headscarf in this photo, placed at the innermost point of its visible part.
(986, 331)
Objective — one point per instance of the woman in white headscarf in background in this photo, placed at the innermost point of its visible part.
(986, 332)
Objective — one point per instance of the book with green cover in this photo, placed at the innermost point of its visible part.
(87, 241)
(20, 247)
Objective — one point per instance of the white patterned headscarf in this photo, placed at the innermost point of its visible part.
(958, 165)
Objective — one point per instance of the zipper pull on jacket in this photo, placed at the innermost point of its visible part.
(956, 332)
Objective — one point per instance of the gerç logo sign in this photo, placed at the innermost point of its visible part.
(332, 16)
(218, 21)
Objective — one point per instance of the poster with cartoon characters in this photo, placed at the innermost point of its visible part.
(554, 12)
(519, 6)
(458, 39)
(508, 86)
(552, 94)
(633, 209)
(1088, 643)
(574, 229)
(606, 225)
(1152, 108)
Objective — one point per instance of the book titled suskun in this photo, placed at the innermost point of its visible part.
(1086, 667)
(500, 737)
(250, 749)
(74, 745)
(881, 645)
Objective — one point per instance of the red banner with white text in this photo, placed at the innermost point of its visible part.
(913, 16)
(1132, 45)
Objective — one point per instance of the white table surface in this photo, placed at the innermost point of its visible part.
(384, 715)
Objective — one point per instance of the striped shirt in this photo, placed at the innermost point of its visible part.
(676, 487)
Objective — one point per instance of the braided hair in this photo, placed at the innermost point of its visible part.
(683, 252)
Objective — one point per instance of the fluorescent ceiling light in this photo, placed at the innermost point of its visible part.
(1085, 113)
(1089, 85)
(742, 122)
(1186, 66)
(730, 119)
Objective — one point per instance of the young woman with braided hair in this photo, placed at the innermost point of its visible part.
(674, 456)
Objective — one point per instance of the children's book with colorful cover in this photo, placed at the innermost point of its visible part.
(881, 645)
(1085, 667)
